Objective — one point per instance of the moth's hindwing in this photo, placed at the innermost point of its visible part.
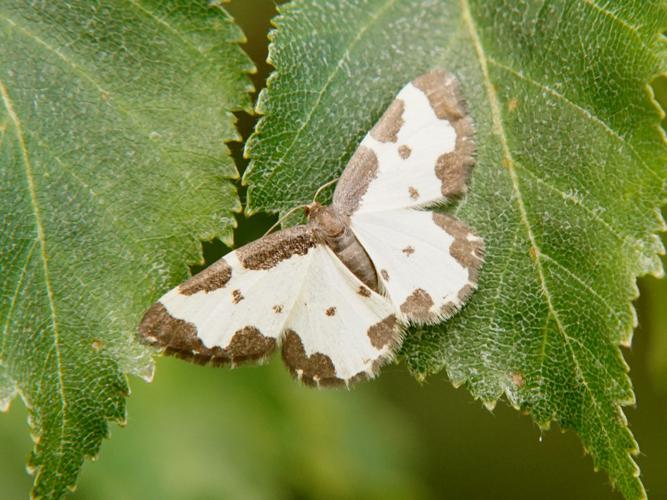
(428, 263)
(339, 330)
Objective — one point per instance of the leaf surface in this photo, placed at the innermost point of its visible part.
(570, 175)
(113, 118)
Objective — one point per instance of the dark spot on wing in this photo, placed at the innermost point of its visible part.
(417, 306)
(467, 252)
(316, 369)
(384, 333)
(443, 93)
(353, 184)
(465, 293)
(330, 311)
(273, 248)
(179, 338)
(237, 296)
(387, 128)
(449, 309)
(248, 344)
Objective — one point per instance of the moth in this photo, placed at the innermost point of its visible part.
(336, 294)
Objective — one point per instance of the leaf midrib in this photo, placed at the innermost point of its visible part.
(41, 237)
(508, 162)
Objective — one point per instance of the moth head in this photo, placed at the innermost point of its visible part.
(325, 220)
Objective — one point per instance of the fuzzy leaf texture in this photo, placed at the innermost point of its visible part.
(570, 174)
(113, 117)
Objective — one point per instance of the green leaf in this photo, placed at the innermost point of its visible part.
(570, 174)
(113, 118)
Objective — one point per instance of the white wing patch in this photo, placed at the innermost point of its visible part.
(428, 263)
(338, 330)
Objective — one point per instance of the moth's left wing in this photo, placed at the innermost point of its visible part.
(236, 309)
(419, 153)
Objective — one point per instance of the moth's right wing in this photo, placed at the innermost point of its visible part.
(283, 289)
(236, 309)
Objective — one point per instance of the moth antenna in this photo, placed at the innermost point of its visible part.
(324, 186)
(289, 212)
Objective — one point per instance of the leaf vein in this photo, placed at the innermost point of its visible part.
(12, 304)
(120, 105)
(614, 17)
(578, 202)
(152, 16)
(41, 237)
(585, 285)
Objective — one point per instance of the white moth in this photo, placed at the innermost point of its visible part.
(336, 293)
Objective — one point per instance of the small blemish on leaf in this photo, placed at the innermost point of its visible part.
(512, 104)
(534, 252)
(517, 379)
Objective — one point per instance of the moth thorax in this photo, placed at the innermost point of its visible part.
(327, 224)
(332, 229)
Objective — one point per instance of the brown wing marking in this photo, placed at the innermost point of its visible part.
(385, 333)
(418, 305)
(273, 248)
(314, 370)
(444, 94)
(213, 277)
(353, 184)
(179, 338)
(387, 128)
(467, 249)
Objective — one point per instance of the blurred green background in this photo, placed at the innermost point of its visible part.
(203, 433)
